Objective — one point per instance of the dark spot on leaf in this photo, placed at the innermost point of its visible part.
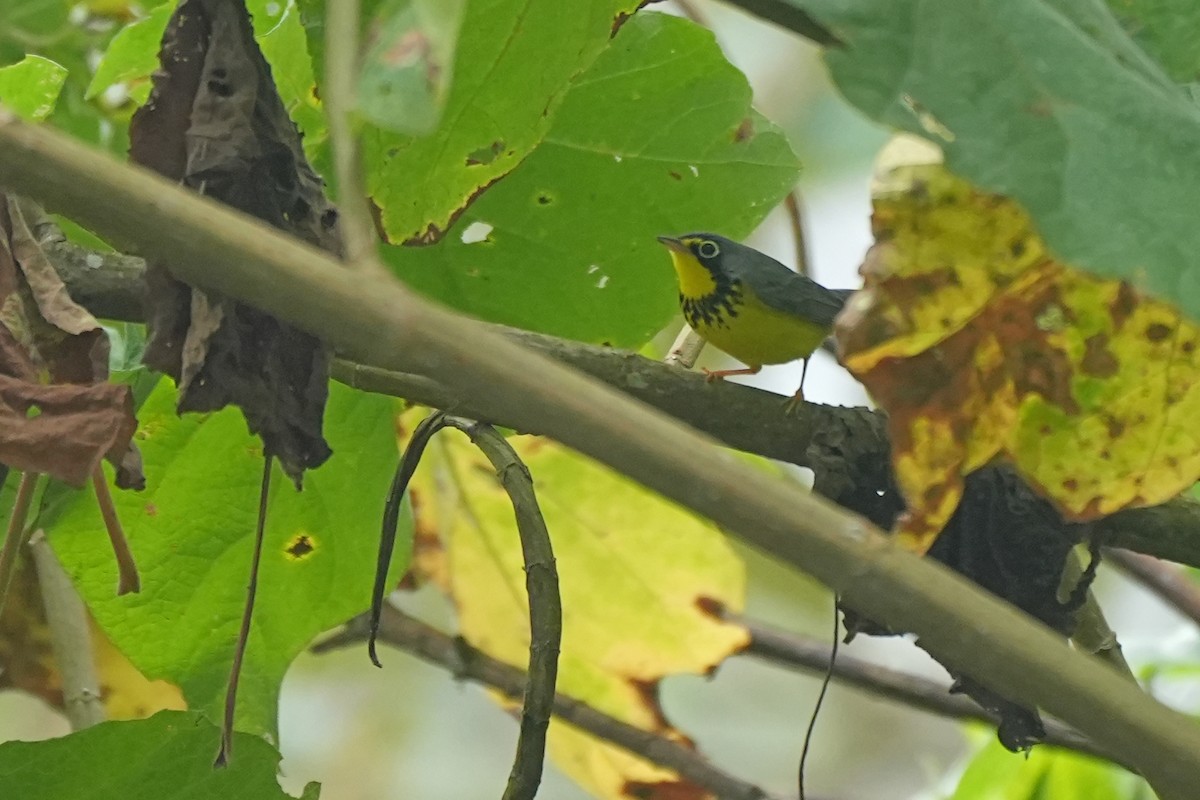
(1123, 305)
(1097, 359)
(151, 510)
(1115, 426)
(744, 131)
(710, 606)
(1157, 331)
(1188, 347)
(675, 175)
(485, 155)
(1105, 455)
(545, 199)
(299, 547)
(1017, 248)
(1070, 484)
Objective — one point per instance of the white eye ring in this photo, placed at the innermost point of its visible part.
(708, 249)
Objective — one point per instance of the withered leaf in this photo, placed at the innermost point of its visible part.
(215, 123)
(58, 415)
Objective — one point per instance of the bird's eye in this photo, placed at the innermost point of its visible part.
(708, 249)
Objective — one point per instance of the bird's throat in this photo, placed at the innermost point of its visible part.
(695, 281)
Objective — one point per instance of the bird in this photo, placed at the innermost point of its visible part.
(749, 305)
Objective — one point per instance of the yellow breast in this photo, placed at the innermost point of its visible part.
(734, 320)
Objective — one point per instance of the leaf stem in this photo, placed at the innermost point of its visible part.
(127, 571)
(16, 535)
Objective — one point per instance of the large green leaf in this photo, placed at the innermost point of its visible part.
(31, 86)
(191, 532)
(514, 62)
(166, 757)
(657, 137)
(1049, 102)
(132, 56)
(1168, 30)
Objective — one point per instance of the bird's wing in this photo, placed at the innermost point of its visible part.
(792, 293)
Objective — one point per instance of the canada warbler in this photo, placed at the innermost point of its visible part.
(749, 305)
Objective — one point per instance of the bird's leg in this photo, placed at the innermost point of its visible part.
(795, 401)
(711, 375)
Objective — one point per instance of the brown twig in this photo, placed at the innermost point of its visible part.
(808, 654)
(795, 210)
(16, 535)
(1172, 584)
(127, 571)
(225, 752)
(406, 633)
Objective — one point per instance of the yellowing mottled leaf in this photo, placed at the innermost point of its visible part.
(978, 344)
(636, 573)
(27, 659)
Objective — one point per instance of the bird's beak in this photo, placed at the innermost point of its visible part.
(673, 244)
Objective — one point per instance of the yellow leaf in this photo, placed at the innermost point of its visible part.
(639, 579)
(979, 344)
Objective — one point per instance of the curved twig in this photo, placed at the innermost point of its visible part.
(545, 605)
(541, 584)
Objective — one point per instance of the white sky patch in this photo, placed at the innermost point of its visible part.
(617, 159)
(593, 269)
(476, 232)
(600, 284)
(695, 172)
(273, 9)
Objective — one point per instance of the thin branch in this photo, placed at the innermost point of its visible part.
(1092, 633)
(70, 638)
(377, 321)
(795, 210)
(17, 535)
(402, 631)
(811, 655)
(342, 22)
(127, 571)
(685, 349)
(545, 606)
(1172, 584)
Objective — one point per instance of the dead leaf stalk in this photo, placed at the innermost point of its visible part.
(16, 535)
(127, 571)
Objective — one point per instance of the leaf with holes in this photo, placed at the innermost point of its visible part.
(977, 344)
(192, 530)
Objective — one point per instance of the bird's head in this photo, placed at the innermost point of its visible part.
(697, 258)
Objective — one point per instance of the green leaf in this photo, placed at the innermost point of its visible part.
(166, 757)
(657, 137)
(1046, 774)
(31, 86)
(132, 56)
(514, 62)
(191, 532)
(1168, 30)
(406, 73)
(1049, 103)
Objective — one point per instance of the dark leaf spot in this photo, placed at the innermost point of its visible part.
(299, 547)
(1157, 332)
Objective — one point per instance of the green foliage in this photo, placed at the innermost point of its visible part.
(191, 532)
(408, 68)
(995, 774)
(656, 137)
(1050, 103)
(1166, 29)
(31, 86)
(132, 56)
(166, 757)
